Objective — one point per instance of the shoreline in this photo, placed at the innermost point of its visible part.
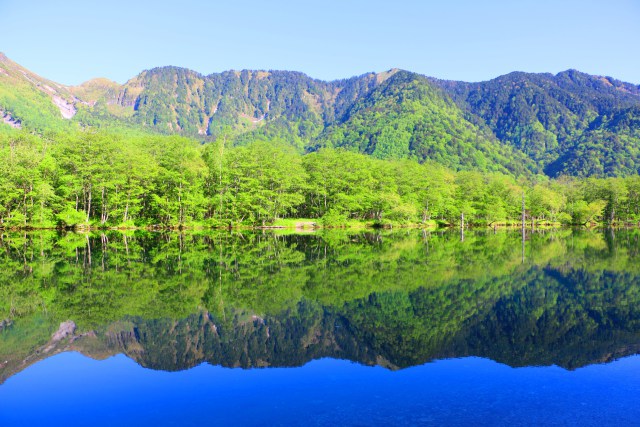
(316, 227)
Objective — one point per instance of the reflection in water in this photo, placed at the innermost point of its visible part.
(396, 299)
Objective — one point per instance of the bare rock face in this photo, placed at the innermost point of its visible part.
(66, 329)
(66, 109)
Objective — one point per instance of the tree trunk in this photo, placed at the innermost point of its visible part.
(89, 204)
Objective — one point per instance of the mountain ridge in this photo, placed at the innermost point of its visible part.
(518, 122)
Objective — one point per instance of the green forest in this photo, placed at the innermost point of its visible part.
(102, 179)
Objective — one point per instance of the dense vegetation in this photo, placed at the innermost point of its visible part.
(406, 117)
(172, 301)
(99, 179)
(521, 123)
(552, 119)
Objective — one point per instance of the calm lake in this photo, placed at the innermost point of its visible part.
(352, 328)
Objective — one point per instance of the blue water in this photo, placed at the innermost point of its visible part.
(72, 390)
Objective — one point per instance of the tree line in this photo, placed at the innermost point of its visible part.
(117, 179)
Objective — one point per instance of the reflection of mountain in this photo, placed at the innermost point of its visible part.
(574, 303)
(540, 323)
(291, 339)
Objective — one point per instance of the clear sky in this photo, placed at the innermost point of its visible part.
(71, 41)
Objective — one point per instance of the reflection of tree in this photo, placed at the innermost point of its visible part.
(260, 299)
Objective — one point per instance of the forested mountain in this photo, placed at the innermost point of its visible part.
(409, 117)
(521, 123)
(608, 147)
(551, 118)
(178, 100)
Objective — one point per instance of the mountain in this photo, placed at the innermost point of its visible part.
(27, 99)
(172, 99)
(548, 117)
(407, 116)
(520, 123)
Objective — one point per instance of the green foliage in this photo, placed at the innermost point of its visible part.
(101, 179)
(608, 148)
(256, 184)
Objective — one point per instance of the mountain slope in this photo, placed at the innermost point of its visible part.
(283, 104)
(544, 115)
(27, 99)
(609, 147)
(408, 117)
(176, 99)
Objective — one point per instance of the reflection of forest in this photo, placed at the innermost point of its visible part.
(398, 299)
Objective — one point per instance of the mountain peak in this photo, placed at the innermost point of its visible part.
(384, 75)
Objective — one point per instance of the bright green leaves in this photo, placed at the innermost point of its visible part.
(255, 184)
(99, 179)
(26, 195)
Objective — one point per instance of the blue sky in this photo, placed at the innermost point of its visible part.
(71, 41)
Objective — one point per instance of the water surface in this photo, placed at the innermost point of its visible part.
(367, 328)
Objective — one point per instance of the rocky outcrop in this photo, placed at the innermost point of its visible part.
(59, 94)
(66, 329)
(10, 120)
(67, 109)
